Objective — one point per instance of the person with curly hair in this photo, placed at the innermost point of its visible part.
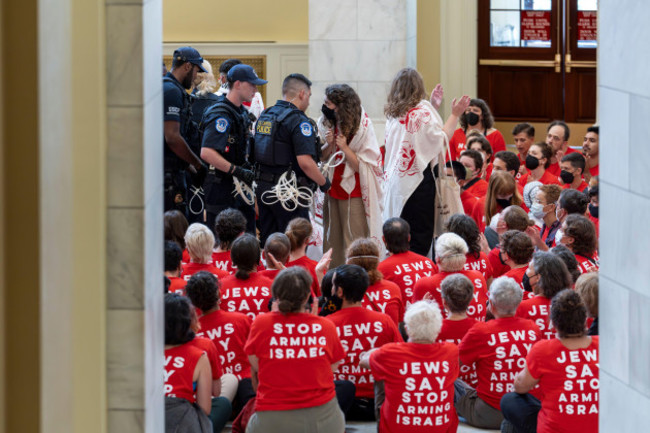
(476, 258)
(416, 141)
(352, 207)
(477, 116)
(228, 226)
(579, 235)
(566, 369)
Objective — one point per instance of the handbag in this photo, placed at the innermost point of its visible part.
(448, 201)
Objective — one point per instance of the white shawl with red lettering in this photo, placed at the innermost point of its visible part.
(412, 143)
(371, 175)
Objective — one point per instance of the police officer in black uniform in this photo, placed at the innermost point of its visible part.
(226, 146)
(180, 134)
(285, 140)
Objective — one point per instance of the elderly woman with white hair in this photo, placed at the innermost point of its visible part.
(418, 375)
(199, 242)
(451, 255)
(499, 348)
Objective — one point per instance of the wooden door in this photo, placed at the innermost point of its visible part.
(536, 59)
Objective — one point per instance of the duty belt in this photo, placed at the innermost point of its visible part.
(272, 178)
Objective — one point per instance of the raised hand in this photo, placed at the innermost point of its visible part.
(458, 107)
(436, 96)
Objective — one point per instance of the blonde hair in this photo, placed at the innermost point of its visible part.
(450, 252)
(587, 287)
(406, 92)
(208, 83)
(501, 183)
(199, 241)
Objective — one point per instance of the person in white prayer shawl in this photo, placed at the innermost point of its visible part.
(416, 139)
(352, 207)
(256, 106)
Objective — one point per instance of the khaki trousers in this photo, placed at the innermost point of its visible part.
(343, 222)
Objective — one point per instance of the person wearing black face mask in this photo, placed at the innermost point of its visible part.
(572, 166)
(476, 117)
(537, 161)
(593, 204)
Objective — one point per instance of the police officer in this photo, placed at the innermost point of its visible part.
(226, 146)
(286, 139)
(178, 154)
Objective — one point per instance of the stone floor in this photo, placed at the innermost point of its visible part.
(371, 427)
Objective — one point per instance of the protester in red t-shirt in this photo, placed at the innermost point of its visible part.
(590, 152)
(450, 255)
(557, 138)
(523, 134)
(473, 183)
(299, 232)
(403, 267)
(593, 203)
(587, 287)
(476, 258)
(569, 260)
(543, 208)
(247, 291)
(537, 163)
(570, 202)
(499, 348)
(188, 373)
(572, 169)
(418, 376)
(457, 292)
(173, 258)
(546, 276)
(228, 226)
(199, 240)
(175, 227)
(502, 193)
(476, 117)
(476, 141)
(228, 331)
(360, 330)
(382, 295)
(579, 235)
(566, 369)
(292, 355)
(276, 254)
(517, 251)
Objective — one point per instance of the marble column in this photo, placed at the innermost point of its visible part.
(623, 112)
(362, 43)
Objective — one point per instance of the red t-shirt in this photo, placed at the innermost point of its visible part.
(386, 298)
(457, 142)
(229, 332)
(588, 264)
(186, 257)
(554, 168)
(339, 193)
(222, 261)
(480, 263)
(476, 308)
(177, 285)
(499, 348)
(404, 269)
(582, 187)
(210, 349)
(569, 381)
(594, 170)
(547, 178)
(180, 362)
(478, 189)
(361, 330)
(469, 201)
(498, 268)
(192, 268)
(538, 309)
(270, 273)
(295, 352)
(517, 274)
(310, 265)
(249, 296)
(488, 171)
(419, 383)
(453, 331)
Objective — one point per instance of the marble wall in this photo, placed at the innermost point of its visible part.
(623, 111)
(362, 43)
(134, 216)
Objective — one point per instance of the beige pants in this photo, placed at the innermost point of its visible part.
(343, 222)
(326, 418)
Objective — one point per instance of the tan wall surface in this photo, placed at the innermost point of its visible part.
(428, 42)
(223, 21)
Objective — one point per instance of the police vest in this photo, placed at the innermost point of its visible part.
(188, 129)
(239, 138)
(269, 150)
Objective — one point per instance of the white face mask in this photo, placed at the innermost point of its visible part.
(537, 210)
(559, 234)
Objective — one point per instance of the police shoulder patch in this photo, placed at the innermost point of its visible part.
(305, 128)
(221, 124)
